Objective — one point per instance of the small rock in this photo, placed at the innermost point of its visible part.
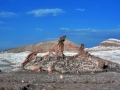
(61, 76)
(35, 68)
(22, 81)
(50, 69)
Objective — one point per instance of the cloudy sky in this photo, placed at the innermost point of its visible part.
(24, 22)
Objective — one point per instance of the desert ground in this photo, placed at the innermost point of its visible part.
(44, 81)
(14, 78)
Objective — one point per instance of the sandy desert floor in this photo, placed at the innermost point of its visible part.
(44, 81)
(22, 80)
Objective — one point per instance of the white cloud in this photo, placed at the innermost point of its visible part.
(45, 12)
(78, 30)
(80, 9)
(64, 29)
(89, 32)
(89, 36)
(85, 29)
(7, 14)
(39, 29)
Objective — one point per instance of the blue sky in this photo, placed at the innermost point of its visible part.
(24, 22)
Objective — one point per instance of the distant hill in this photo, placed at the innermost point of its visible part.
(44, 46)
(109, 44)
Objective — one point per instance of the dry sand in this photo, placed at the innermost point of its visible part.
(45, 81)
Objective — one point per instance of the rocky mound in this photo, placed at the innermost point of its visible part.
(44, 46)
(58, 62)
(70, 64)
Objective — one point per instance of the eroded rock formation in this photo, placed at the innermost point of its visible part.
(80, 63)
(58, 49)
(30, 57)
(60, 46)
(81, 52)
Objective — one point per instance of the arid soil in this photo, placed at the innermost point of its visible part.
(45, 81)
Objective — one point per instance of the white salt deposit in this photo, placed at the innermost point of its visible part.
(111, 55)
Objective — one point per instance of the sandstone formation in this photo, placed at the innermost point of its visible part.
(80, 63)
(30, 57)
(82, 52)
(60, 46)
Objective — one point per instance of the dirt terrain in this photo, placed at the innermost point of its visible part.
(45, 81)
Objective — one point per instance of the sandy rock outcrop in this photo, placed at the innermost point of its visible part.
(80, 63)
(68, 64)
(29, 57)
(35, 68)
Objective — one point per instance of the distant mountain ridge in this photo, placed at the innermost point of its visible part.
(109, 44)
(44, 46)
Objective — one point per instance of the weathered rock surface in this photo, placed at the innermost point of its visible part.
(68, 64)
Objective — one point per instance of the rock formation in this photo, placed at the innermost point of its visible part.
(30, 57)
(60, 46)
(80, 63)
(81, 52)
(50, 52)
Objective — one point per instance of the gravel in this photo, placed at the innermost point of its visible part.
(45, 81)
